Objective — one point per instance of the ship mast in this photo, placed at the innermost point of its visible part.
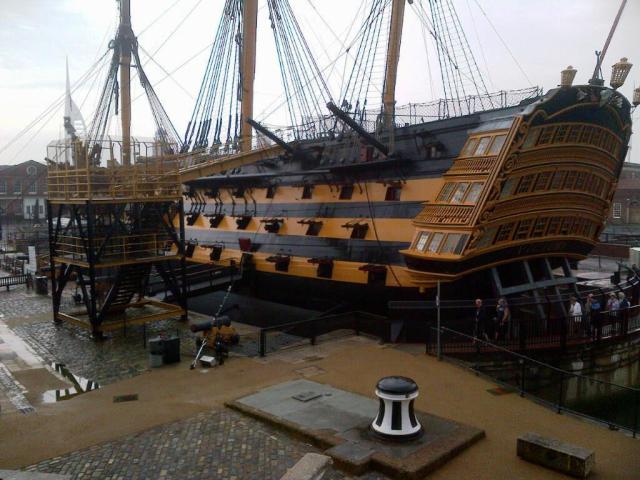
(595, 78)
(393, 56)
(125, 41)
(248, 68)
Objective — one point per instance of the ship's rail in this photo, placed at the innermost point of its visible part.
(75, 174)
(211, 159)
(616, 405)
(405, 115)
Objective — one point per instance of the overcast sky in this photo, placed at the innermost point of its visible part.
(35, 36)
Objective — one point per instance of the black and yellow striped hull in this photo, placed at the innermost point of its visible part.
(456, 197)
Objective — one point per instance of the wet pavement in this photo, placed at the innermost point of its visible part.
(217, 444)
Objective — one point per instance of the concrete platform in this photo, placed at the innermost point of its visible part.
(339, 421)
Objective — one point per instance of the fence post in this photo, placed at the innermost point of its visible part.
(263, 341)
(313, 332)
(563, 333)
(561, 392)
(635, 414)
(356, 318)
(522, 372)
(439, 350)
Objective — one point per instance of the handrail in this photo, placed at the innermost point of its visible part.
(519, 380)
(533, 360)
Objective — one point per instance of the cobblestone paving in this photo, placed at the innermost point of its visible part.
(115, 358)
(219, 444)
(22, 302)
(119, 356)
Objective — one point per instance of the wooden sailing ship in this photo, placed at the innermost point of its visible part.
(352, 202)
(490, 194)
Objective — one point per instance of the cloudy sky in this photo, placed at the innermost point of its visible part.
(544, 36)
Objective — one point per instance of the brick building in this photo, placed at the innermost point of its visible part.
(625, 209)
(23, 190)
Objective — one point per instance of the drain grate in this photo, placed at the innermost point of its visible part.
(306, 396)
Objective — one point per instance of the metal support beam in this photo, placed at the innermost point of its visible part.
(183, 263)
(533, 286)
(366, 136)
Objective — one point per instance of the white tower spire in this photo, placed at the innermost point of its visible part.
(74, 125)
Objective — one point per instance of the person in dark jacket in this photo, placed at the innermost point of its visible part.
(503, 318)
(480, 321)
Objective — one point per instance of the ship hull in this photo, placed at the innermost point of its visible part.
(458, 198)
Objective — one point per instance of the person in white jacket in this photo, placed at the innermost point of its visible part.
(575, 314)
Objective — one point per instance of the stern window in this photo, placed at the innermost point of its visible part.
(445, 193)
(507, 188)
(524, 227)
(542, 181)
(459, 192)
(539, 227)
(482, 146)
(434, 244)
(557, 180)
(525, 184)
(504, 232)
(469, 147)
(497, 144)
(474, 192)
(422, 241)
(451, 243)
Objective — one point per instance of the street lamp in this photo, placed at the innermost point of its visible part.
(619, 72)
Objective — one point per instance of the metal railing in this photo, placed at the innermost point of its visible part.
(116, 248)
(528, 333)
(75, 174)
(315, 328)
(616, 405)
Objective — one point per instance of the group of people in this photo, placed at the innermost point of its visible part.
(583, 317)
(496, 327)
(584, 321)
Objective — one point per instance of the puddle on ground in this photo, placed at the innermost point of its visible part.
(80, 385)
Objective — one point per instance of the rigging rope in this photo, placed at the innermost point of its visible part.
(504, 43)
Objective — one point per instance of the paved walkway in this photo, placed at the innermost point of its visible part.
(218, 444)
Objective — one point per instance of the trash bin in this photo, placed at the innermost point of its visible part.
(42, 285)
(171, 351)
(156, 351)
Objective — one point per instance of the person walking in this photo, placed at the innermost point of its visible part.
(592, 312)
(480, 321)
(575, 314)
(503, 317)
(623, 308)
(612, 304)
